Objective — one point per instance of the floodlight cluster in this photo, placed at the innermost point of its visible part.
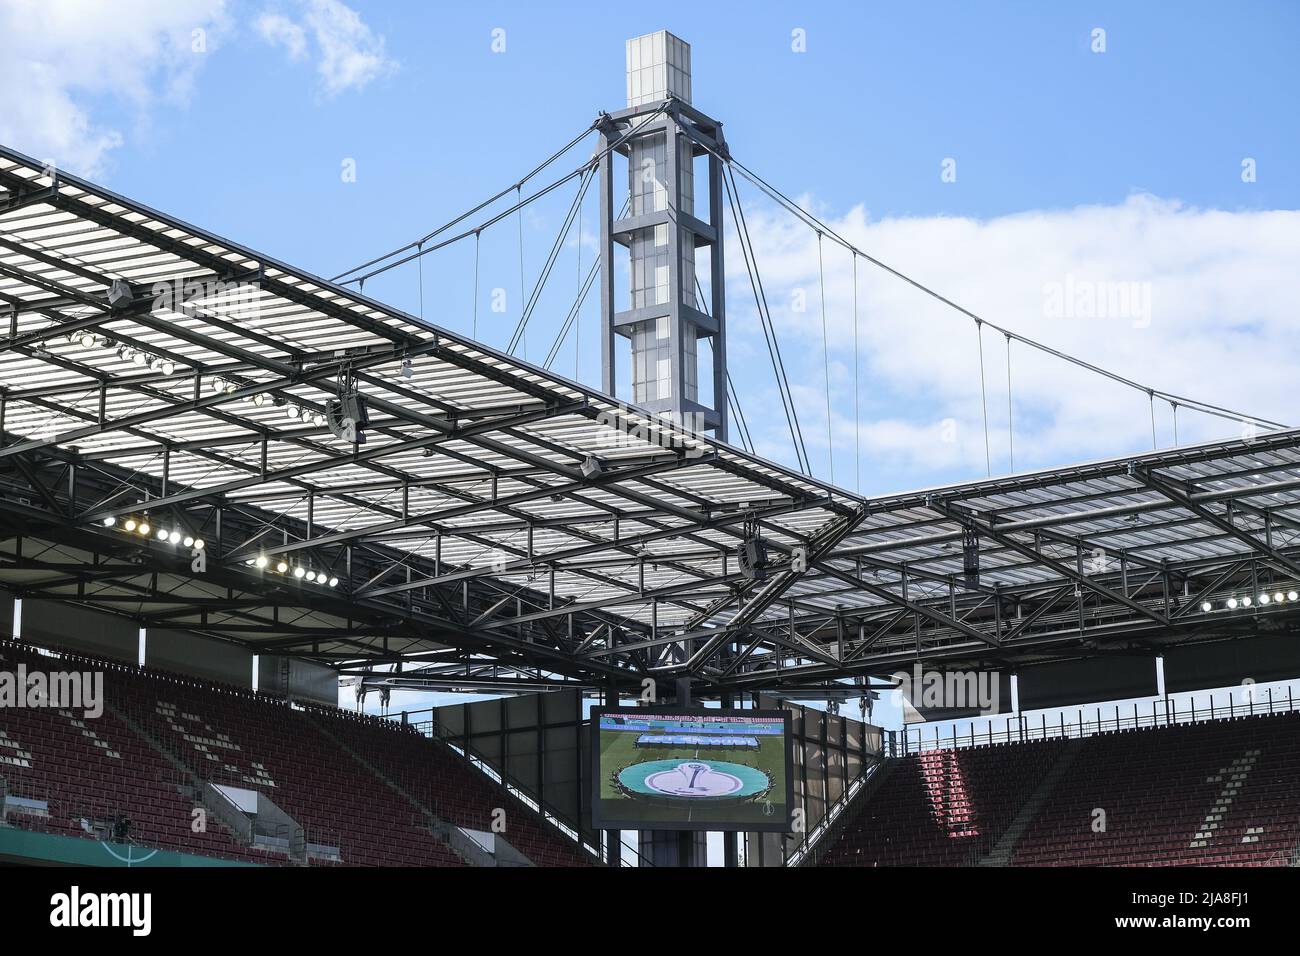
(1263, 599)
(300, 572)
(89, 339)
(292, 410)
(139, 525)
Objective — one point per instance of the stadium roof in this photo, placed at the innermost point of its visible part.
(501, 525)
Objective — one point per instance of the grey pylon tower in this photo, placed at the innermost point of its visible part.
(657, 230)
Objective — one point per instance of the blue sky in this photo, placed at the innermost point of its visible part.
(248, 138)
(1122, 166)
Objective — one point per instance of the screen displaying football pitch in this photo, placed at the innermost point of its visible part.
(689, 769)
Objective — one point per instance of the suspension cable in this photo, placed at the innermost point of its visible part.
(733, 399)
(984, 399)
(857, 392)
(591, 163)
(813, 222)
(760, 302)
(577, 325)
(520, 334)
(523, 314)
(1011, 431)
(477, 243)
(1151, 400)
(826, 359)
(469, 212)
(420, 270)
(571, 318)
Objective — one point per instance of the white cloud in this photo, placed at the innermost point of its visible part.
(60, 52)
(349, 55)
(1222, 289)
(281, 31)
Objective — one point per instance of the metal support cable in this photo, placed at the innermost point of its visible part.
(469, 212)
(1011, 431)
(578, 302)
(760, 302)
(984, 399)
(420, 270)
(857, 392)
(745, 436)
(590, 164)
(765, 315)
(1151, 401)
(733, 399)
(577, 325)
(814, 223)
(477, 243)
(520, 334)
(571, 318)
(523, 315)
(826, 359)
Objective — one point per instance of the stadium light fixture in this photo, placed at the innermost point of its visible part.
(1293, 596)
(282, 566)
(1264, 598)
(129, 524)
(162, 534)
(1232, 604)
(299, 571)
(334, 582)
(110, 521)
(199, 544)
(144, 528)
(1279, 597)
(1207, 607)
(189, 541)
(1246, 601)
(174, 537)
(261, 561)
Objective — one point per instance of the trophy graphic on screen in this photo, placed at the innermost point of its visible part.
(692, 771)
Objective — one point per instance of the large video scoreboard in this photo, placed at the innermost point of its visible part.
(683, 768)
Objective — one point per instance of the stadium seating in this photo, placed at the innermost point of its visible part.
(942, 807)
(364, 785)
(1220, 792)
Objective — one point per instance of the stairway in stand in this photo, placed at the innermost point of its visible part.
(1000, 854)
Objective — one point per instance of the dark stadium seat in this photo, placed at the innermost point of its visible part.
(942, 807)
(308, 761)
(1219, 793)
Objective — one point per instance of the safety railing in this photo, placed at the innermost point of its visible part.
(1100, 719)
(812, 846)
(429, 727)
